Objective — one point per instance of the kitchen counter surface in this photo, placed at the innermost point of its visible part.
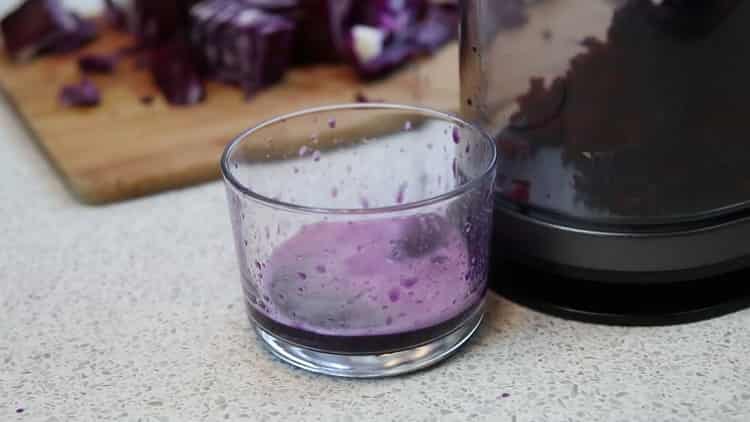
(133, 312)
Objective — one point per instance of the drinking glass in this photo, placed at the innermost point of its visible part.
(362, 233)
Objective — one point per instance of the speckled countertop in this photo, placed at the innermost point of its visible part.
(132, 312)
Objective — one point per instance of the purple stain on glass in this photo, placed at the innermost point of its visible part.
(303, 150)
(420, 236)
(401, 193)
(364, 202)
(409, 282)
(389, 320)
(332, 123)
(316, 156)
(456, 135)
(302, 276)
(258, 265)
(394, 294)
(320, 268)
(440, 259)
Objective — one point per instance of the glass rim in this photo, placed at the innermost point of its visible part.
(231, 180)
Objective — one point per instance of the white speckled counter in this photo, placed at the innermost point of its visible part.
(132, 312)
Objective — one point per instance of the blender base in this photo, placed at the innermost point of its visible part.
(639, 304)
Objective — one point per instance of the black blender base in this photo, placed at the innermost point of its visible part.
(644, 304)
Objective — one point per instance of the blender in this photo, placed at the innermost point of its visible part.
(623, 191)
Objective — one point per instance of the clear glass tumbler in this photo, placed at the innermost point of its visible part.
(362, 233)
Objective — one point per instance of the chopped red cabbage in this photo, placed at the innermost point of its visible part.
(156, 22)
(389, 60)
(438, 27)
(520, 191)
(250, 43)
(323, 30)
(84, 32)
(389, 15)
(119, 14)
(39, 25)
(98, 63)
(404, 32)
(540, 105)
(83, 94)
(176, 75)
(242, 45)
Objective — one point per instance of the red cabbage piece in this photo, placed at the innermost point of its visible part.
(98, 63)
(209, 19)
(324, 27)
(83, 94)
(392, 58)
(438, 27)
(427, 27)
(35, 26)
(263, 47)
(159, 21)
(389, 15)
(176, 75)
(84, 32)
(118, 14)
(242, 45)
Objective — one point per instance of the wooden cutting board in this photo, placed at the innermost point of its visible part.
(124, 148)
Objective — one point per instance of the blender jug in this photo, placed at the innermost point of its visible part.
(623, 130)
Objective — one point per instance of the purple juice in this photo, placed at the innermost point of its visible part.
(365, 286)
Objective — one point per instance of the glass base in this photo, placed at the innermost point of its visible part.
(372, 366)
